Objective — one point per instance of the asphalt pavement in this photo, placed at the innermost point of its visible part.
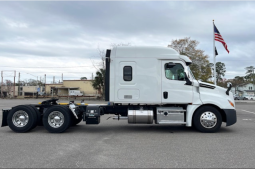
(117, 144)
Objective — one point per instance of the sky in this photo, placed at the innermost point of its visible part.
(55, 38)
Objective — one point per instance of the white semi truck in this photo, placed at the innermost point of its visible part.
(143, 85)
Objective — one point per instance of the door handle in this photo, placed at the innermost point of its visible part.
(165, 94)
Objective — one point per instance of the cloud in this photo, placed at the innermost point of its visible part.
(52, 33)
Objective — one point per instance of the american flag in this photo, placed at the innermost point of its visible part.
(219, 38)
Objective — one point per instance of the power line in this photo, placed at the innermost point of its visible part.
(46, 67)
(58, 72)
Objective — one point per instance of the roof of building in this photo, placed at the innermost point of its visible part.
(78, 80)
(67, 87)
(66, 80)
(243, 84)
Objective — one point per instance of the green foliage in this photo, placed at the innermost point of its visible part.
(200, 66)
(250, 76)
(98, 82)
(238, 80)
(220, 71)
(83, 78)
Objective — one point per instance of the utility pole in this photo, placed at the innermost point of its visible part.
(14, 84)
(253, 80)
(45, 79)
(2, 84)
(19, 85)
(62, 78)
(92, 76)
(53, 79)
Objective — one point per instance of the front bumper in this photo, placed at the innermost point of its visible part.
(230, 115)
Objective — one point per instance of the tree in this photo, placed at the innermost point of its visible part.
(200, 66)
(237, 81)
(83, 78)
(32, 82)
(220, 71)
(98, 82)
(7, 87)
(250, 73)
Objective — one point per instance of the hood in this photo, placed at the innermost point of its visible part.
(218, 89)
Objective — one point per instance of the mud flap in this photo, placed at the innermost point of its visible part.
(4, 117)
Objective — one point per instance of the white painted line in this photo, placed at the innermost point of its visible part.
(247, 119)
(248, 111)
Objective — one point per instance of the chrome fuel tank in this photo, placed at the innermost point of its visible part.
(140, 116)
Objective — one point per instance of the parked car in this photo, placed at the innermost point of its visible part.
(241, 97)
(245, 97)
(250, 97)
(41, 93)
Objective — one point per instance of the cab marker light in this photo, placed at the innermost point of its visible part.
(232, 104)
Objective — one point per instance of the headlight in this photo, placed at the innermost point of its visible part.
(232, 104)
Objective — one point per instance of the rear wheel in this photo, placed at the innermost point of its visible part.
(207, 119)
(38, 114)
(21, 119)
(57, 119)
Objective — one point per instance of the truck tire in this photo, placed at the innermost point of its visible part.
(21, 119)
(57, 119)
(207, 119)
(39, 116)
(77, 121)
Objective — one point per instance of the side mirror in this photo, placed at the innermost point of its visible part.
(229, 85)
(188, 82)
(170, 65)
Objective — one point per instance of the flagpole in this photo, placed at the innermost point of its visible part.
(214, 69)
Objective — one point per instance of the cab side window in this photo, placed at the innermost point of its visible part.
(175, 73)
(127, 73)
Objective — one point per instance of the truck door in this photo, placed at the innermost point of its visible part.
(173, 83)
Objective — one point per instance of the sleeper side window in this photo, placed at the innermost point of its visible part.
(127, 73)
(175, 72)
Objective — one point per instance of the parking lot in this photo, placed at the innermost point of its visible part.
(117, 144)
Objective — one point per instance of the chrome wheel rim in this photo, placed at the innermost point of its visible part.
(56, 119)
(208, 119)
(20, 118)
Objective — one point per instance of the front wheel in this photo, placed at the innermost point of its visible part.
(207, 119)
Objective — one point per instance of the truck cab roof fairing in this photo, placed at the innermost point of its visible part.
(154, 52)
(149, 52)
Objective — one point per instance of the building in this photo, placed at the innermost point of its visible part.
(58, 89)
(63, 89)
(22, 90)
(245, 89)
